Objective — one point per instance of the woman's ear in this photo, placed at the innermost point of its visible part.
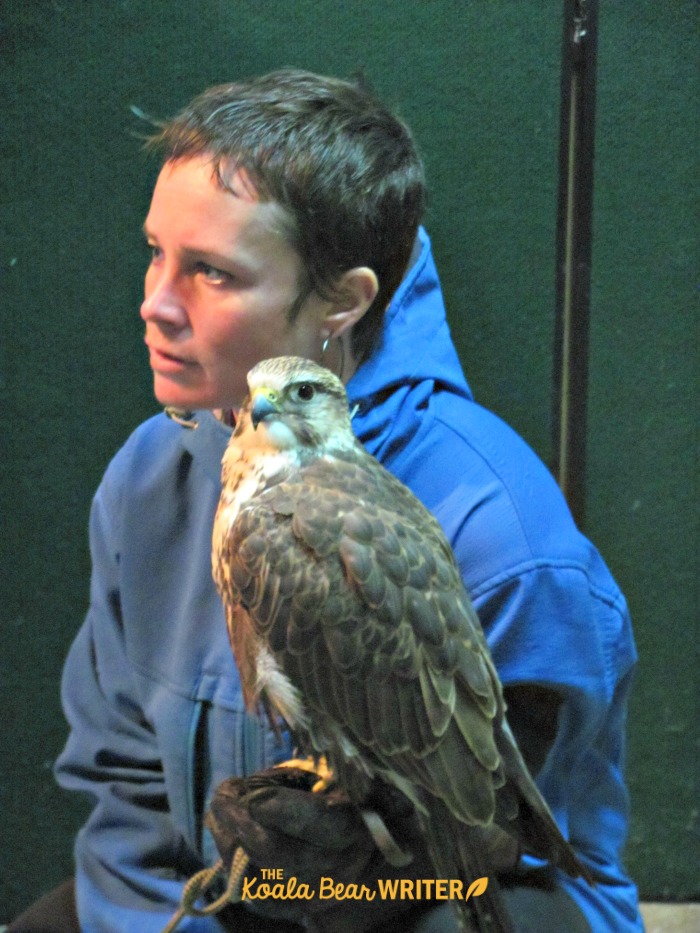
(356, 290)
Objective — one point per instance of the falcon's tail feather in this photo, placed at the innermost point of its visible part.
(537, 828)
(456, 855)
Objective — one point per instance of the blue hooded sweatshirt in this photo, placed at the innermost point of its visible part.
(150, 688)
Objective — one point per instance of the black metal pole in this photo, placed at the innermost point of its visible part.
(574, 234)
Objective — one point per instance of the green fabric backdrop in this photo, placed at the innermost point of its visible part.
(479, 82)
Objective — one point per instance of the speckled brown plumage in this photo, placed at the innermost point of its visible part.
(338, 580)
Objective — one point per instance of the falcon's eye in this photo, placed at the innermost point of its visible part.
(305, 392)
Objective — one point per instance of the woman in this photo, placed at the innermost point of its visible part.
(285, 220)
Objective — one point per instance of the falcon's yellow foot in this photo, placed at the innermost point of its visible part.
(318, 766)
(376, 826)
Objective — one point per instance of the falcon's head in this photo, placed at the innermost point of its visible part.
(294, 403)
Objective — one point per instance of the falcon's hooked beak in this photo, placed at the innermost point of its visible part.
(265, 402)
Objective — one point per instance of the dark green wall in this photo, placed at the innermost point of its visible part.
(479, 82)
(643, 464)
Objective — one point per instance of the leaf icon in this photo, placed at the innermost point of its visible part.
(476, 888)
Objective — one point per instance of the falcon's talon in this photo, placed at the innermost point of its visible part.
(323, 784)
(317, 766)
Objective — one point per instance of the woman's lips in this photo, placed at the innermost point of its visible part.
(162, 361)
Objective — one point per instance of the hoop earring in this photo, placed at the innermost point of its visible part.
(341, 374)
(341, 345)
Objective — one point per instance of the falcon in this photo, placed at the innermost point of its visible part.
(348, 618)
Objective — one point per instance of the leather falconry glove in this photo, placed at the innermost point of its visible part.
(282, 826)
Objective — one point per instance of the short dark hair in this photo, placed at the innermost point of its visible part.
(344, 167)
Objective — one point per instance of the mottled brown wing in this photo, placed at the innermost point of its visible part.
(350, 581)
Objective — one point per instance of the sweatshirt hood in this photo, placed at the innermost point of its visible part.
(415, 342)
(415, 359)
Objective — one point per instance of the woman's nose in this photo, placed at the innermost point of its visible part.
(162, 301)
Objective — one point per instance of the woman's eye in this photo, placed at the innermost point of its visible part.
(212, 274)
(305, 392)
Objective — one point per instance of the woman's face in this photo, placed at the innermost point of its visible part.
(221, 280)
